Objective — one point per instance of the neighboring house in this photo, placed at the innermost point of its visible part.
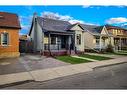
(96, 37)
(9, 35)
(56, 37)
(119, 35)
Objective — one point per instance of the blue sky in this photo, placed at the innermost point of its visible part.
(98, 15)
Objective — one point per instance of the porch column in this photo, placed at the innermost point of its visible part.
(120, 44)
(100, 43)
(74, 42)
(49, 42)
(69, 41)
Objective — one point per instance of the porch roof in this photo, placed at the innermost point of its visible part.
(59, 33)
(103, 35)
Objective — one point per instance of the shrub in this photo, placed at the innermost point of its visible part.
(109, 48)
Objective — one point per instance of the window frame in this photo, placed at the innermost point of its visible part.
(1, 39)
(55, 40)
(78, 39)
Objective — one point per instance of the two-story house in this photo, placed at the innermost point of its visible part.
(119, 35)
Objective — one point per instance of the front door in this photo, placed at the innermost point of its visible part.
(63, 42)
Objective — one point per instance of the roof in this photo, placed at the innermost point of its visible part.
(93, 29)
(9, 20)
(112, 27)
(53, 25)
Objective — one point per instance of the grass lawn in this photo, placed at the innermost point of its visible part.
(71, 60)
(96, 57)
(119, 53)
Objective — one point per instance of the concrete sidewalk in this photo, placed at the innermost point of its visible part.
(57, 72)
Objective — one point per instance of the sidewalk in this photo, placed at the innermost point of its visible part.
(106, 55)
(57, 72)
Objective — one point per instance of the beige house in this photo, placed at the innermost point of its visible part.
(96, 37)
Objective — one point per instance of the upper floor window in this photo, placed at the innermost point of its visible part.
(4, 39)
(78, 39)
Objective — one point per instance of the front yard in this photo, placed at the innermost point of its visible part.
(124, 53)
(95, 57)
(72, 60)
(84, 58)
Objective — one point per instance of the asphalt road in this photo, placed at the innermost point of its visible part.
(111, 77)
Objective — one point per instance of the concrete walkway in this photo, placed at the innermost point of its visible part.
(85, 58)
(106, 55)
(57, 72)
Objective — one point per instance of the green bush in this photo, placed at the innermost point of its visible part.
(109, 48)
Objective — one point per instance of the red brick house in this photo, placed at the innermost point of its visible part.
(9, 35)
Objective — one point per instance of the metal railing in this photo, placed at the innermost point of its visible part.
(56, 46)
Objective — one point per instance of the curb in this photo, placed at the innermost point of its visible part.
(109, 65)
(15, 83)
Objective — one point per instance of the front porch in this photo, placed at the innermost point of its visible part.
(58, 44)
(102, 42)
(120, 43)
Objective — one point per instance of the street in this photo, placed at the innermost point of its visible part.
(111, 77)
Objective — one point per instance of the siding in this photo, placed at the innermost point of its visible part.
(89, 41)
(78, 30)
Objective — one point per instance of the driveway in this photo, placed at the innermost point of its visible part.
(27, 63)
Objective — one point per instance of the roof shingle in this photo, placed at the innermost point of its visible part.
(9, 20)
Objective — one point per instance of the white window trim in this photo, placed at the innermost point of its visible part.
(77, 40)
(7, 39)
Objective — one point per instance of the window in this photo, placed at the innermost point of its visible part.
(78, 39)
(97, 41)
(53, 40)
(4, 38)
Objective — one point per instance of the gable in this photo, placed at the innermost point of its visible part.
(77, 27)
(104, 31)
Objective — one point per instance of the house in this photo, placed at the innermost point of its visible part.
(99, 37)
(96, 37)
(9, 35)
(119, 36)
(56, 37)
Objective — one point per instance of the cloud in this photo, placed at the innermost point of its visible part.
(25, 23)
(25, 27)
(124, 25)
(25, 18)
(73, 21)
(56, 16)
(64, 18)
(117, 20)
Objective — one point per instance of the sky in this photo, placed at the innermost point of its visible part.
(93, 15)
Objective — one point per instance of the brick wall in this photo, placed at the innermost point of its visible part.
(13, 48)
